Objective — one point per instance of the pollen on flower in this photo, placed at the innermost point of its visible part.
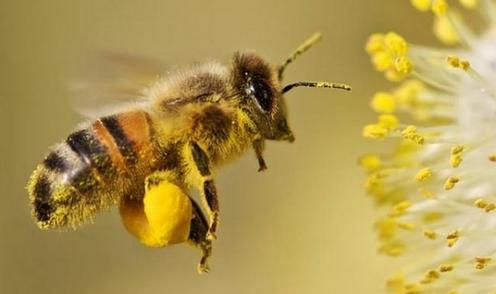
(456, 155)
(383, 102)
(439, 227)
(423, 174)
(370, 162)
(430, 234)
(375, 131)
(450, 183)
(481, 262)
(389, 54)
(457, 62)
(430, 277)
(410, 133)
(446, 268)
(453, 238)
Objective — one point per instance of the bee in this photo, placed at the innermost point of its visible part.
(147, 157)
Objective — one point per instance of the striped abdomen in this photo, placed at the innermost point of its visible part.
(93, 169)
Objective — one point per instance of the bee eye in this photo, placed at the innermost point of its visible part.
(262, 93)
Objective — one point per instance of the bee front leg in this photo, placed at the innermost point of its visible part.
(207, 187)
(259, 146)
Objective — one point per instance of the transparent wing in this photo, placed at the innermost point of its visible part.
(108, 81)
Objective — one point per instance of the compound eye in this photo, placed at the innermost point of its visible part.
(262, 93)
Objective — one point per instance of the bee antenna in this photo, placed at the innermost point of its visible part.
(316, 85)
(300, 50)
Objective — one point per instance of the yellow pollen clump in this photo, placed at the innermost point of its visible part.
(389, 55)
(410, 133)
(445, 268)
(439, 7)
(457, 62)
(400, 208)
(375, 43)
(452, 238)
(430, 277)
(456, 155)
(481, 262)
(374, 131)
(426, 192)
(423, 174)
(383, 102)
(481, 203)
(490, 207)
(492, 157)
(370, 162)
(430, 234)
(403, 65)
(406, 226)
(388, 121)
(422, 5)
(450, 183)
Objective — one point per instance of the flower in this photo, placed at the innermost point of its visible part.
(437, 185)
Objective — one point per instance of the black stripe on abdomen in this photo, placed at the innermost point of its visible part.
(56, 162)
(124, 144)
(91, 153)
(42, 193)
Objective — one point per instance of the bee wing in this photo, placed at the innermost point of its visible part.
(109, 81)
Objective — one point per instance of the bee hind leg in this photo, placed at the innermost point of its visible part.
(207, 187)
(198, 237)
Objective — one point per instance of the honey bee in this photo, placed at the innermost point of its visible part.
(147, 157)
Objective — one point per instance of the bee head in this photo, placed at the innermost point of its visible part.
(259, 85)
(261, 98)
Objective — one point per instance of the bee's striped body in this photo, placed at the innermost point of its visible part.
(94, 168)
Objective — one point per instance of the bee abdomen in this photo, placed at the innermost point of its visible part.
(92, 169)
(73, 181)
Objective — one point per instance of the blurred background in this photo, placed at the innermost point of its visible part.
(303, 226)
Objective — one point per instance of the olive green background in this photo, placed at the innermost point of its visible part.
(303, 226)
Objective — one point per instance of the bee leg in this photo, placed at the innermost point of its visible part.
(198, 237)
(259, 146)
(207, 188)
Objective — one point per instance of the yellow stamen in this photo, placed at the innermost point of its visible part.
(452, 238)
(388, 121)
(374, 131)
(481, 203)
(456, 155)
(430, 234)
(490, 207)
(423, 174)
(457, 62)
(383, 102)
(492, 157)
(410, 133)
(450, 183)
(445, 268)
(481, 262)
(370, 162)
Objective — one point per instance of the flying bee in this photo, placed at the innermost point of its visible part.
(147, 157)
